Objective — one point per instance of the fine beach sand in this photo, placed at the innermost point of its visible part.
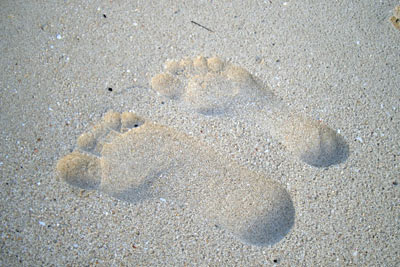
(200, 133)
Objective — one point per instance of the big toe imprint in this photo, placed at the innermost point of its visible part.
(132, 160)
(213, 87)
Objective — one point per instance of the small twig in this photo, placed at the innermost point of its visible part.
(194, 22)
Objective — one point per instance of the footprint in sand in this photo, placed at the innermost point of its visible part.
(216, 88)
(133, 160)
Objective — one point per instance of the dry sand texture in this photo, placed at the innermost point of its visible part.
(128, 165)
(300, 116)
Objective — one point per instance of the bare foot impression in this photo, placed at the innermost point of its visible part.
(216, 88)
(133, 160)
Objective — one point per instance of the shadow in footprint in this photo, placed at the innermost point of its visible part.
(327, 156)
(269, 230)
(136, 194)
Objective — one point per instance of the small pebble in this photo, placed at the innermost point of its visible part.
(59, 36)
(42, 223)
(163, 199)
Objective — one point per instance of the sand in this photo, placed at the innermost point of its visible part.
(317, 152)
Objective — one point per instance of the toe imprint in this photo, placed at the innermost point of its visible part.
(210, 86)
(395, 19)
(80, 170)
